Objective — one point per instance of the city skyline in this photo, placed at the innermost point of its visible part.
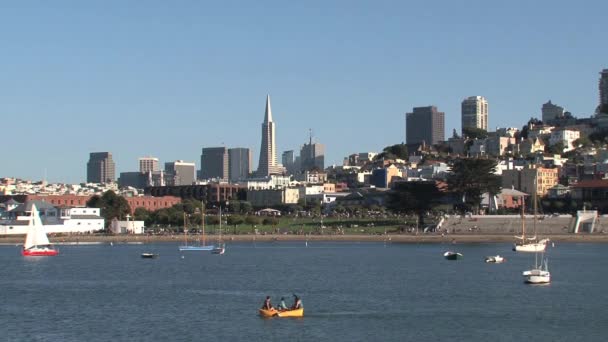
(127, 78)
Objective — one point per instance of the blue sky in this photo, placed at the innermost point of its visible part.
(166, 78)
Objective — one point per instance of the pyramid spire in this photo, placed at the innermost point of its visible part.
(268, 158)
(268, 116)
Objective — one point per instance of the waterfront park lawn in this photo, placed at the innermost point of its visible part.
(305, 225)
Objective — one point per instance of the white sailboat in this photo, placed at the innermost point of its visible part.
(202, 246)
(529, 244)
(36, 241)
(539, 274)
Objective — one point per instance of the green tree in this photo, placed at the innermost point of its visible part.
(582, 142)
(213, 220)
(268, 221)
(234, 206)
(472, 177)
(397, 151)
(246, 207)
(417, 197)
(557, 148)
(142, 214)
(474, 133)
(252, 220)
(112, 206)
(235, 220)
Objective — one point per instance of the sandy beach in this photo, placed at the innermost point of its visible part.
(392, 238)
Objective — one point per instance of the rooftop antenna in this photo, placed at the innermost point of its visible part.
(310, 135)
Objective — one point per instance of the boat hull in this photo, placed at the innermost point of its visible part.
(537, 277)
(282, 313)
(219, 251)
(452, 256)
(497, 259)
(532, 247)
(149, 255)
(39, 252)
(196, 248)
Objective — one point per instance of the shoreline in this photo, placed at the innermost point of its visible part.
(391, 238)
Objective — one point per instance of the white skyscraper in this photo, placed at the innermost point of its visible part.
(475, 112)
(148, 164)
(268, 153)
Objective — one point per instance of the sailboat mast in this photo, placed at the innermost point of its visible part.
(523, 217)
(220, 235)
(535, 191)
(185, 231)
(203, 221)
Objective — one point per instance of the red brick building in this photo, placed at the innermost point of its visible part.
(210, 193)
(152, 203)
(147, 202)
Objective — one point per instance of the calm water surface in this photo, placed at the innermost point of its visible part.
(350, 291)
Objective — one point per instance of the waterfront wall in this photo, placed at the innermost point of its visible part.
(508, 224)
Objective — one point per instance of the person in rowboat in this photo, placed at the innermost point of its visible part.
(297, 302)
(282, 305)
(267, 305)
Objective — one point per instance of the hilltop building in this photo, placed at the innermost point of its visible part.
(551, 112)
(603, 87)
(425, 125)
(475, 113)
(101, 168)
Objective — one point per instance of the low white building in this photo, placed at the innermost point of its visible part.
(270, 182)
(55, 220)
(566, 137)
(127, 227)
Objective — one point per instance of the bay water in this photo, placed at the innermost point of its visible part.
(350, 291)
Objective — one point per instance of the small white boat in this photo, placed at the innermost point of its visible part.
(452, 255)
(497, 259)
(220, 249)
(149, 255)
(539, 274)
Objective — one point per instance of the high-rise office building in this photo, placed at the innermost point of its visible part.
(603, 85)
(425, 124)
(147, 164)
(312, 156)
(475, 113)
(288, 160)
(268, 154)
(101, 168)
(551, 112)
(180, 173)
(214, 163)
(239, 164)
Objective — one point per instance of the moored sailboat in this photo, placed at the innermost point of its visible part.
(220, 248)
(36, 241)
(539, 274)
(202, 246)
(529, 244)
